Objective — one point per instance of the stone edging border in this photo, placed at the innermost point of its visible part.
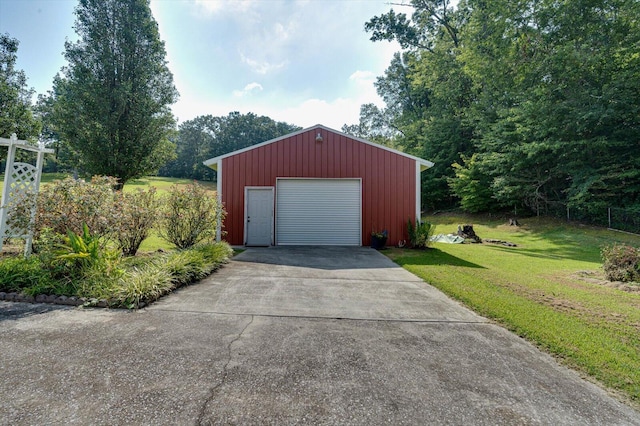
(58, 300)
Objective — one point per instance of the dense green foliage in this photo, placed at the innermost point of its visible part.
(527, 103)
(549, 289)
(111, 106)
(15, 96)
(420, 233)
(206, 137)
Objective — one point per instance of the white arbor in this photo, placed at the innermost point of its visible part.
(21, 185)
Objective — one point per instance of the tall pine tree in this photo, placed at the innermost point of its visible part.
(115, 94)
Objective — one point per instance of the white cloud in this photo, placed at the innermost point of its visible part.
(262, 67)
(265, 45)
(248, 89)
(365, 77)
(282, 32)
(333, 113)
(214, 7)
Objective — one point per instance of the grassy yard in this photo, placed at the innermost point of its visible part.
(549, 289)
(162, 184)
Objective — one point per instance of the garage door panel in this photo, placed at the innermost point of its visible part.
(318, 212)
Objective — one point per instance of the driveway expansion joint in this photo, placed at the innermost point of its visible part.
(329, 317)
(225, 372)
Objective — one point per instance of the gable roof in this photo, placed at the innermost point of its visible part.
(213, 162)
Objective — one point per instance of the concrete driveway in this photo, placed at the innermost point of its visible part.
(287, 336)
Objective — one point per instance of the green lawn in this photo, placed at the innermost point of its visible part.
(549, 289)
(162, 184)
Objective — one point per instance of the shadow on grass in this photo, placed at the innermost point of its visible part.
(542, 237)
(50, 177)
(557, 253)
(432, 257)
(563, 243)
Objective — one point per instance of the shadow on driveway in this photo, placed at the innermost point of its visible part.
(325, 257)
(16, 311)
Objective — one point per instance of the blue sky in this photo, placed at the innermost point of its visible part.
(303, 62)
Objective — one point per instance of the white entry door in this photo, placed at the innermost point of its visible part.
(258, 216)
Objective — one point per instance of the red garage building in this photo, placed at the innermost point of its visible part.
(317, 186)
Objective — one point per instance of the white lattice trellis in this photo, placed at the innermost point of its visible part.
(21, 184)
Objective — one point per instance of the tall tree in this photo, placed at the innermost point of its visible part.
(47, 110)
(426, 91)
(15, 96)
(115, 94)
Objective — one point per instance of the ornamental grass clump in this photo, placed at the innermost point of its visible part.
(144, 284)
(190, 216)
(621, 262)
(420, 234)
(215, 254)
(186, 266)
(17, 274)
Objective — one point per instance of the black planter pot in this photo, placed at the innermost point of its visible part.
(378, 243)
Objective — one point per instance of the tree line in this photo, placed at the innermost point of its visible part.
(530, 104)
(207, 137)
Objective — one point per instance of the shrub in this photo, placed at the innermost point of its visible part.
(47, 246)
(21, 211)
(621, 262)
(420, 234)
(18, 273)
(135, 214)
(68, 204)
(190, 216)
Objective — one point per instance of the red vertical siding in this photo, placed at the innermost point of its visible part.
(388, 179)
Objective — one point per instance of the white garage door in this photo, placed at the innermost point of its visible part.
(318, 212)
